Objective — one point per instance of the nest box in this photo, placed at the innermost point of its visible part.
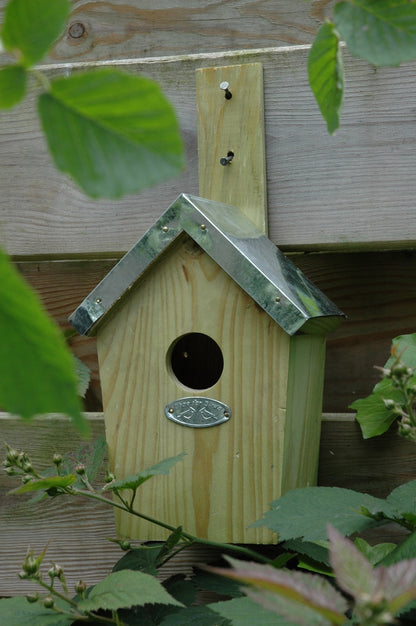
(210, 342)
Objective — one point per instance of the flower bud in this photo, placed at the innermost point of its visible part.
(125, 544)
(80, 588)
(109, 477)
(389, 404)
(80, 469)
(32, 597)
(48, 602)
(27, 467)
(27, 478)
(55, 571)
(57, 459)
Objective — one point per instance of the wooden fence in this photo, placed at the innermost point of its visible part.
(342, 207)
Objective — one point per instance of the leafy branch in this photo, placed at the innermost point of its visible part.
(382, 32)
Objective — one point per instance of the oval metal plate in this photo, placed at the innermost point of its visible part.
(197, 412)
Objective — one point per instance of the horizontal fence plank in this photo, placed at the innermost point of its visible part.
(376, 290)
(348, 191)
(127, 28)
(78, 530)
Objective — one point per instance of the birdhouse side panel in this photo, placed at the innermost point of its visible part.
(304, 411)
(231, 471)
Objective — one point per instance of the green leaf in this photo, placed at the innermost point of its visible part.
(114, 133)
(32, 26)
(306, 512)
(133, 482)
(403, 498)
(405, 346)
(18, 611)
(12, 85)
(406, 550)
(143, 559)
(374, 554)
(326, 75)
(381, 31)
(83, 373)
(206, 581)
(245, 612)
(36, 368)
(44, 484)
(125, 589)
(372, 415)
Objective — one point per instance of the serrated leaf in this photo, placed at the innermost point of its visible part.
(306, 512)
(31, 27)
(83, 374)
(245, 612)
(113, 132)
(303, 590)
(133, 482)
(124, 589)
(143, 559)
(403, 498)
(374, 554)
(44, 484)
(381, 31)
(18, 611)
(12, 85)
(36, 368)
(326, 74)
(354, 573)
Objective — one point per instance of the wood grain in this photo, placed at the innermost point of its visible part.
(99, 29)
(242, 182)
(377, 291)
(78, 530)
(222, 481)
(351, 190)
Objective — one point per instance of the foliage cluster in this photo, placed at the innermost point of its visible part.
(317, 576)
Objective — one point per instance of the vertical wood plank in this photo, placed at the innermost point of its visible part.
(233, 125)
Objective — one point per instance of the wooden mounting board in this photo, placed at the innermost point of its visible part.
(233, 125)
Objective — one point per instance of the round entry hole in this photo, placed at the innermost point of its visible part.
(195, 360)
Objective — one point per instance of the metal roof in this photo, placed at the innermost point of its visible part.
(242, 251)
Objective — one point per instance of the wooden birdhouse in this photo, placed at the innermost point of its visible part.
(210, 342)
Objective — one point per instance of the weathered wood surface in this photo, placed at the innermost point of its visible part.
(243, 181)
(78, 529)
(377, 291)
(351, 190)
(118, 29)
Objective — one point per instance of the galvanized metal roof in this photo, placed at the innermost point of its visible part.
(232, 240)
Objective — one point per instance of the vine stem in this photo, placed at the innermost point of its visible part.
(226, 547)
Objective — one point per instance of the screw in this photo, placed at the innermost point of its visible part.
(203, 227)
(98, 300)
(277, 299)
(224, 86)
(165, 229)
(227, 160)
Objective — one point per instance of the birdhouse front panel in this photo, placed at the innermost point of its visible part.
(186, 330)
